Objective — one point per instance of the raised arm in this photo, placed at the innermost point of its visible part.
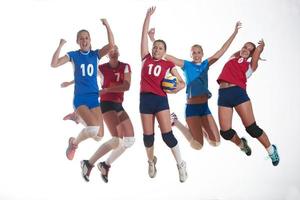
(56, 61)
(120, 88)
(256, 55)
(111, 42)
(144, 41)
(219, 53)
(181, 83)
(178, 62)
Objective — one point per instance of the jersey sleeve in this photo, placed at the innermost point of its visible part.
(185, 65)
(97, 52)
(127, 68)
(71, 55)
(146, 57)
(204, 65)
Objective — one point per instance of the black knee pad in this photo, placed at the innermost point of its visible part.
(254, 130)
(169, 139)
(228, 135)
(148, 140)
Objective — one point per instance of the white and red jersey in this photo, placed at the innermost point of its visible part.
(111, 77)
(153, 73)
(236, 71)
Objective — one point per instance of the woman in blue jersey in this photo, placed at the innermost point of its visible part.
(198, 116)
(86, 91)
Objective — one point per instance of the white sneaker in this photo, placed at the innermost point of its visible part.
(182, 171)
(152, 168)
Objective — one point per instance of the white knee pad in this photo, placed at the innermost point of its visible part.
(128, 141)
(92, 132)
(195, 144)
(114, 142)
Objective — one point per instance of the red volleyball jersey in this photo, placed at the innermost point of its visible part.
(111, 77)
(235, 71)
(153, 73)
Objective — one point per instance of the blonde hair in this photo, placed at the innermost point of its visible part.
(197, 46)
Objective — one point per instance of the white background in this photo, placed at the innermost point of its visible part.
(33, 136)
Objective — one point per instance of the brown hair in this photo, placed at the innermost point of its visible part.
(254, 47)
(163, 42)
(81, 31)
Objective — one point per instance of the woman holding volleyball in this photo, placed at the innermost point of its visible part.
(154, 101)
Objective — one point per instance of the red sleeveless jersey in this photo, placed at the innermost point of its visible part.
(234, 72)
(111, 77)
(153, 73)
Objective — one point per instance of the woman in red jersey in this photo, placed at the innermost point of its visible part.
(154, 101)
(232, 94)
(115, 78)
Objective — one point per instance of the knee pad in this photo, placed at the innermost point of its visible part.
(92, 132)
(227, 135)
(128, 141)
(114, 142)
(148, 140)
(169, 139)
(195, 144)
(254, 130)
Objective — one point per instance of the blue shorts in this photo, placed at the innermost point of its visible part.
(89, 100)
(151, 103)
(232, 96)
(110, 106)
(200, 110)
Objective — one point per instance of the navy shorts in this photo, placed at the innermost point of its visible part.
(200, 110)
(151, 103)
(110, 106)
(232, 96)
(89, 100)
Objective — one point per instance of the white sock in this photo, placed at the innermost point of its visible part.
(270, 149)
(104, 149)
(176, 153)
(184, 130)
(115, 153)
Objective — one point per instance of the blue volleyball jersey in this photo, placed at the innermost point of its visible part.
(85, 66)
(196, 78)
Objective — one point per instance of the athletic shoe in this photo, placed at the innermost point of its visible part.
(246, 147)
(104, 169)
(71, 149)
(151, 168)
(182, 171)
(174, 118)
(86, 169)
(72, 116)
(275, 156)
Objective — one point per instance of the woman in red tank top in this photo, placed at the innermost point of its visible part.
(232, 94)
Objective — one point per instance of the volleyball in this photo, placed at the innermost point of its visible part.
(169, 83)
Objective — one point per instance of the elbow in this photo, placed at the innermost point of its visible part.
(53, 65)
